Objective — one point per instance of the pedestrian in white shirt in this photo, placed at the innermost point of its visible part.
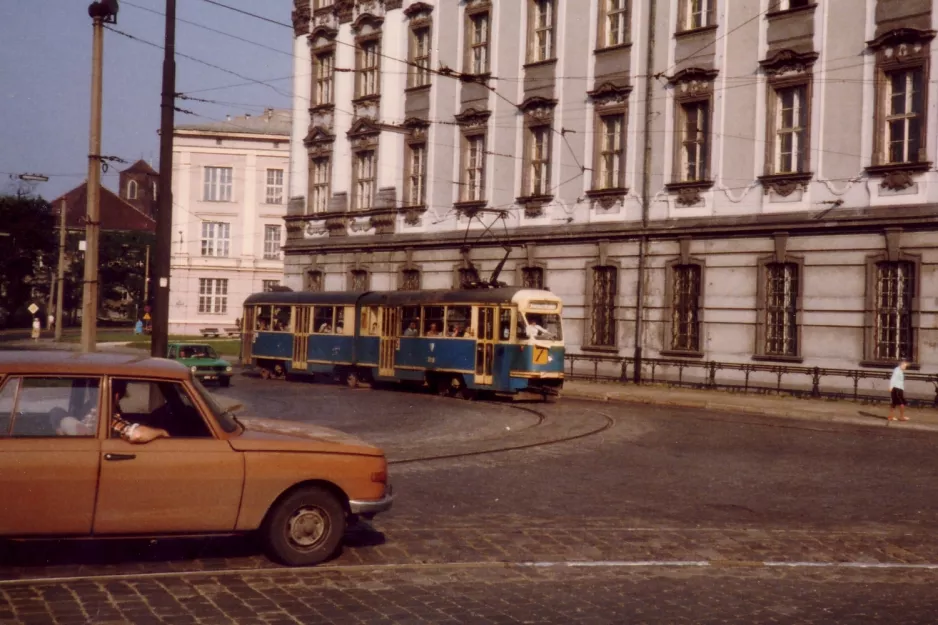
(897, 391)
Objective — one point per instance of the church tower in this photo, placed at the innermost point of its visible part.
(138, 187)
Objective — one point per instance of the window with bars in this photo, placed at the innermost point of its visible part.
(479, 43)
(685, 308)
(532, 277)
(274, 186)
(895, 292)
(369, 62)
(325, 78)
(269, 285)
(213, 296)
(612, 151)
(614, 22)
(320, 173)
(539, 146)
(410, 280)
(217, 184)
(781, 309)
(468, 277)
(315, 281)
(272, 242)
(791, 129)
(604, 293)
(359, 280)
(474, 159)
(417, 174)
(695, 140)
(420, 57)
(698, 14)
(216, 238)
(905, 100)
(364, 174)
(541, 32)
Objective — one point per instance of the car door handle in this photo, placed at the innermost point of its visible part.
(119, 457)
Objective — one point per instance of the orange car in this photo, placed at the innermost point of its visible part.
(118, 445)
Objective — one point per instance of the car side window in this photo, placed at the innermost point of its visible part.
(172, 352)
(7, 403)
(56, 406)
(164, 405)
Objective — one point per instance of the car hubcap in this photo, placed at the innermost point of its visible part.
(307, 527)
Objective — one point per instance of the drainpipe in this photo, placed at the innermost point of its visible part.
(646, 189)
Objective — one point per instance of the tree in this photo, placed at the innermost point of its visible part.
(29, 247)
(122, 259)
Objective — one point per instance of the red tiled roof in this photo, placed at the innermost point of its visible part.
(116, 214)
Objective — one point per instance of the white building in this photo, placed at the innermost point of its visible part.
(229, 200)
(735, 181)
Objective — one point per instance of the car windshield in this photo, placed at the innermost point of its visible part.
(197, 351)
(224, 417)
(544, 326)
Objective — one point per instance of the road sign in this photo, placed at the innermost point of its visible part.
(146, 308)
(33, 308)
(146, 317)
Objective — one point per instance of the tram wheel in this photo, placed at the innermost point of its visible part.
(467, 393)
(265, 373)
(279, 371)
(352, 379)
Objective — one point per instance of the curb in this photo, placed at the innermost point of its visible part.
(612, 397)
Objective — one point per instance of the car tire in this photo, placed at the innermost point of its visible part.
(304, 528)
(225, 381)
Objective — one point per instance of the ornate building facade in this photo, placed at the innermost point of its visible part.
(727, 180)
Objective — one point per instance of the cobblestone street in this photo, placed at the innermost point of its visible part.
(535, 513)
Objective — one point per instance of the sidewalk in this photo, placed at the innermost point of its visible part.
(819, 410)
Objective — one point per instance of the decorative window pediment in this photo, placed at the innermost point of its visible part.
(364, 127)
(538, 109)
(788, 62)
(608, 94)
(366, 24)
(911, 38)
(693, 81)
(318, 136)
(473, 118)
(418, 10)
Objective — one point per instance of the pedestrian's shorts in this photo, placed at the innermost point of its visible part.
(898, 397)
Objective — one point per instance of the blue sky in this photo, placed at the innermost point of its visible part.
(45, 72)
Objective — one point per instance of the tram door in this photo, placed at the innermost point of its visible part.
(301, 321)
(247, 334)
(485, 344)
(390, 326)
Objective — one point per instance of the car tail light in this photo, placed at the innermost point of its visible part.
(381, 477)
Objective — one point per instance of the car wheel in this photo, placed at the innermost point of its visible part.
(225, 381)
(305, 528)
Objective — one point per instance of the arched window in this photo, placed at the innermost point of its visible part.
(132, 190)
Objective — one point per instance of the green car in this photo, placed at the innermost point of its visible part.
(203, 360)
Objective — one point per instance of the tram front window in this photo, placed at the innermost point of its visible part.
(546, 327)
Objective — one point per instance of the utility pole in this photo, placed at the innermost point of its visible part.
(100, 12)
(646, 191)
(164, 215)
(60, 285)
(146, 278)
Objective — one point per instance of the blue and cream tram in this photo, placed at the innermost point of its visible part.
(504, 340)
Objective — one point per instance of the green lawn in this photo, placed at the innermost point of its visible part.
(224, 347)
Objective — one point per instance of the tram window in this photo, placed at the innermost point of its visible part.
(543, 326)
(281, 319)
(323, 318)
(433, 320)
(410, 321)
(262, 317)
(370, 324)
(340, 320)
(458, 320)
(504, 323)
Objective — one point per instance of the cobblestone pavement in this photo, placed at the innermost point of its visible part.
(725, 494)
(492, 594)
